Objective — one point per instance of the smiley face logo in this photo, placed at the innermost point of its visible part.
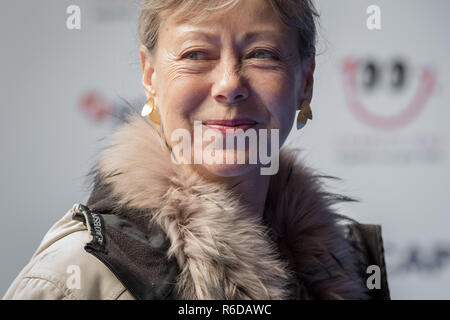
(386, 95)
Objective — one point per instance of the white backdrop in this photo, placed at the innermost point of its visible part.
(380, 122)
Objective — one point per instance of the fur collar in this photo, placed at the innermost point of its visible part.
(298, 252)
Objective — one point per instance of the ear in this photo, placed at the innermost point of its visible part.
(308, 67)
(148, 71)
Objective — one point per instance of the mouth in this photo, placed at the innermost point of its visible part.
(230, 126)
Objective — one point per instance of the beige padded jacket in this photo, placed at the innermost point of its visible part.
(55, 271)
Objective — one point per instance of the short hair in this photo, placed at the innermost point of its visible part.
(299, 14)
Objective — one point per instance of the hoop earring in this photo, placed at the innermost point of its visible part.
(149, 110)
(303, 116)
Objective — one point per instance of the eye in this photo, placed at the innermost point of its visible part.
(263, 54)
(194, 55)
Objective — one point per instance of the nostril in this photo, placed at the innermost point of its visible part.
(221, 98)
(239, 97)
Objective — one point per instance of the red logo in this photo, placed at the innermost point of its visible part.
(96, 106)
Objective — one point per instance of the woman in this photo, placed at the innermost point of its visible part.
(170, 216)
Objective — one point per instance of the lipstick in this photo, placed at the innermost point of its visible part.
(229, 126)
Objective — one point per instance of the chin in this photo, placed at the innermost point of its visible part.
(229, 170)
(234, 163)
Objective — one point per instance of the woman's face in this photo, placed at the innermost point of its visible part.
(242, 64)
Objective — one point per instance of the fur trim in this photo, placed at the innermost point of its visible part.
(223, 253)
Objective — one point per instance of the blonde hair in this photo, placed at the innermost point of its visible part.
(299, 14)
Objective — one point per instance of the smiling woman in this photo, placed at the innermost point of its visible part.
(235, 60)
(160, 229)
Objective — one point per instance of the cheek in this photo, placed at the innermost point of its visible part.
(182, 93)
(277, 92)
(180, 103)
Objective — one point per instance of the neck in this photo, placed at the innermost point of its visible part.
(252, 188)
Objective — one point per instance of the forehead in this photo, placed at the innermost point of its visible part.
(247, 20)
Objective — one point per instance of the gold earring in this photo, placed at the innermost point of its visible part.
(303, 116)
(149, 110)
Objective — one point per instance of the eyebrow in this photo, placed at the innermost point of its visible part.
(247, 37)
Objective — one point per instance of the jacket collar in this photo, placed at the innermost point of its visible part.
(300, 250)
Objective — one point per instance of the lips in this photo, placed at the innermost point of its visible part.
(230, 126)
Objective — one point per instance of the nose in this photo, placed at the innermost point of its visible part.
(229, 87)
